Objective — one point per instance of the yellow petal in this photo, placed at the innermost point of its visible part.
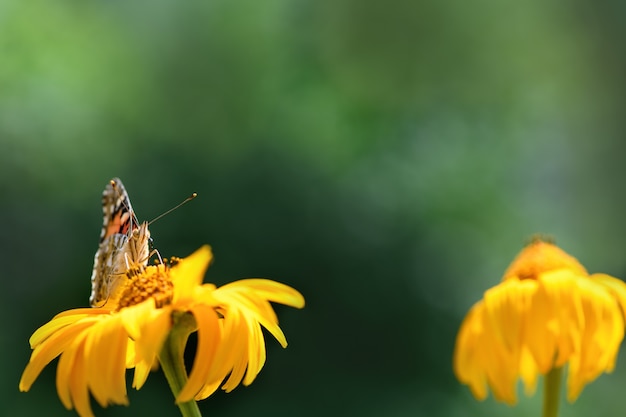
(209, 336)
(142, 370)
(148, 327)
(48, 349)
(133, 317)
(131, 354)
(600, 338)
(59, 321)
(269, 290)
(239, 368)
(105, 358)
(529, 372)
(232, 353)
(252, 308)
(83, 311)
(71, 378)
(189, 273)
(505, 309)
(256, 353)
(617, 287)
(232, 346)
(207, 390)
(78, 386)
(466, 362)
(554, 319)
(249, 358)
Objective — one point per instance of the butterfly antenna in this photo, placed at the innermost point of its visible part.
(188, 199)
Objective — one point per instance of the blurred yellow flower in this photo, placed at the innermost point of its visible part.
(547, 312)
(97, 345)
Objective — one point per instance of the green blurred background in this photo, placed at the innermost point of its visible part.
(387, 159)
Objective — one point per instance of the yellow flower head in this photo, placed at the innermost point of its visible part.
(547, 312)
(97, 345)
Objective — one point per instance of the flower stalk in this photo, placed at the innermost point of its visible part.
(551, 392)
(172, 360)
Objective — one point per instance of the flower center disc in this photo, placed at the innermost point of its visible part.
(147, 282)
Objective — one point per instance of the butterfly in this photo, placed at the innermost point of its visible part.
(124, 245)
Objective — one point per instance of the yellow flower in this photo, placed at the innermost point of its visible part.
(547, 312)
(97, 345)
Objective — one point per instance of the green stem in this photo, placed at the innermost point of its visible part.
(551, 392)
(173, 363)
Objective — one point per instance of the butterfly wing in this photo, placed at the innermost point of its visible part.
(104, 265)
(123, 242)
(118, 215)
